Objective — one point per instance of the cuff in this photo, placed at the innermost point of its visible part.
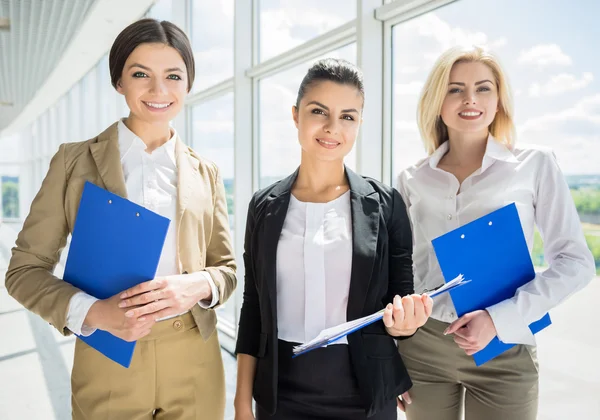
(511, 328)
(79, 306)
(215, 292)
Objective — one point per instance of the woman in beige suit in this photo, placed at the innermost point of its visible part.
(176, 371)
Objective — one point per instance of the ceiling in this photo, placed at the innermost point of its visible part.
(38, 35)
(52, 44)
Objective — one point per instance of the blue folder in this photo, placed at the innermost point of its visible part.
(115, 245)
(491, 252)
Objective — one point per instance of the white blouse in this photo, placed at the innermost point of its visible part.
(529, 177)
(314, 264)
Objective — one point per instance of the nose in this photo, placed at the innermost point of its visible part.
(469, 98)
(158, 86)
(331, 125)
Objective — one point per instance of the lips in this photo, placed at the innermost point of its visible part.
(157, 106)
(328, 143)
(470, 114)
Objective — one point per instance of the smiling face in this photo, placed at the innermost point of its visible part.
(328, 119)
(154, 83)
(471, 101)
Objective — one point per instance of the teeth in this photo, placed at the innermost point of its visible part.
(470, 114)
(160, 106)
(327, 142)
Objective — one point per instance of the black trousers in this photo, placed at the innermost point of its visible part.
(319, 385)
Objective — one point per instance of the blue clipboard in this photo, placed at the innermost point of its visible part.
(492, 252)
(115, 245)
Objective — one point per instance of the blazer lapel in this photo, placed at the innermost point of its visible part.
(188, 177)
(364, 205)
(108, 160)
(275, 212)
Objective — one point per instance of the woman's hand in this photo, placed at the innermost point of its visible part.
(473, 331)
(165, 296)
(107, 316)
(403, 400)
(407, 314)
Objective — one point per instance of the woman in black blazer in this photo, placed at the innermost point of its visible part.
(325, 246)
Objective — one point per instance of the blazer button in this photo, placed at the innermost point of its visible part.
(178, 325)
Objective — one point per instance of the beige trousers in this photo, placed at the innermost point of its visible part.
(174, 375)
(448, 385)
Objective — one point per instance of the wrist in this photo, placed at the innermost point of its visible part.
(400, 333)
(93, 319)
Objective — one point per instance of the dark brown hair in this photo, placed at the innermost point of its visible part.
(149, 31)
(335, 70)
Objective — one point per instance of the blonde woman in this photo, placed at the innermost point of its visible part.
(465, 116)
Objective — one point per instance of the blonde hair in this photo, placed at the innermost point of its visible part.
(433, 130)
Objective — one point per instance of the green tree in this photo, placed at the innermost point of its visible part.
(10, 199)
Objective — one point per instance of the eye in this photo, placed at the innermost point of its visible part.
(484, 89)
(173, 77)
(454, 90)
(348, 117)
(318, 111)
(139, 75)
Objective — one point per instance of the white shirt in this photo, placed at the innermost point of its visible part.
(151, 182)
(529, 177)
(314, 265)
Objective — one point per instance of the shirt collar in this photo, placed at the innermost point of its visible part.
(494, 150)
(128, 142)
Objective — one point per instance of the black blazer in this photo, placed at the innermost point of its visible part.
(381, 269)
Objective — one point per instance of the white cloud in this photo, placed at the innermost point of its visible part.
(545, 55)
(573, 133)
(498, 43)
(560, 84)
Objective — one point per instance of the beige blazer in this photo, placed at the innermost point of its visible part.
(204, 241)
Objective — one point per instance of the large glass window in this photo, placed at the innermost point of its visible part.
(212, 138)
(285, 24)
(212, 40)
(278, 138)
(553, 79)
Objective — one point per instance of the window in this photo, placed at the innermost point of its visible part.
(551, 72)
(162, 10)
(289, 23)
(212, 40)
(212, 138)
(278, 139)
(10, 197)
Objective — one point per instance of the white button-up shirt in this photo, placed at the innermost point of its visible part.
(314, 265)
(150, 181)
(529, 177)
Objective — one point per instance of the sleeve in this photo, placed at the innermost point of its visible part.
(79, 307)
(250, 324)
(220, 260)
(401, 280)
(571, 265)
(29, 278)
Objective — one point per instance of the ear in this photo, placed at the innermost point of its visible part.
(295, 115)
(120, 87)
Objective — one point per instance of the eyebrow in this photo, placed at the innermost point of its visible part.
(477, 83)
(148, 69)
(327, 108)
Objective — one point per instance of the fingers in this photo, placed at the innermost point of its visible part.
(409, 307)
(399, 312)
(419, 310)
(143, 311)
(403, 400)
(157, 283)
(145, 298)
(388, 319)
(459, 323)
(428, 304)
